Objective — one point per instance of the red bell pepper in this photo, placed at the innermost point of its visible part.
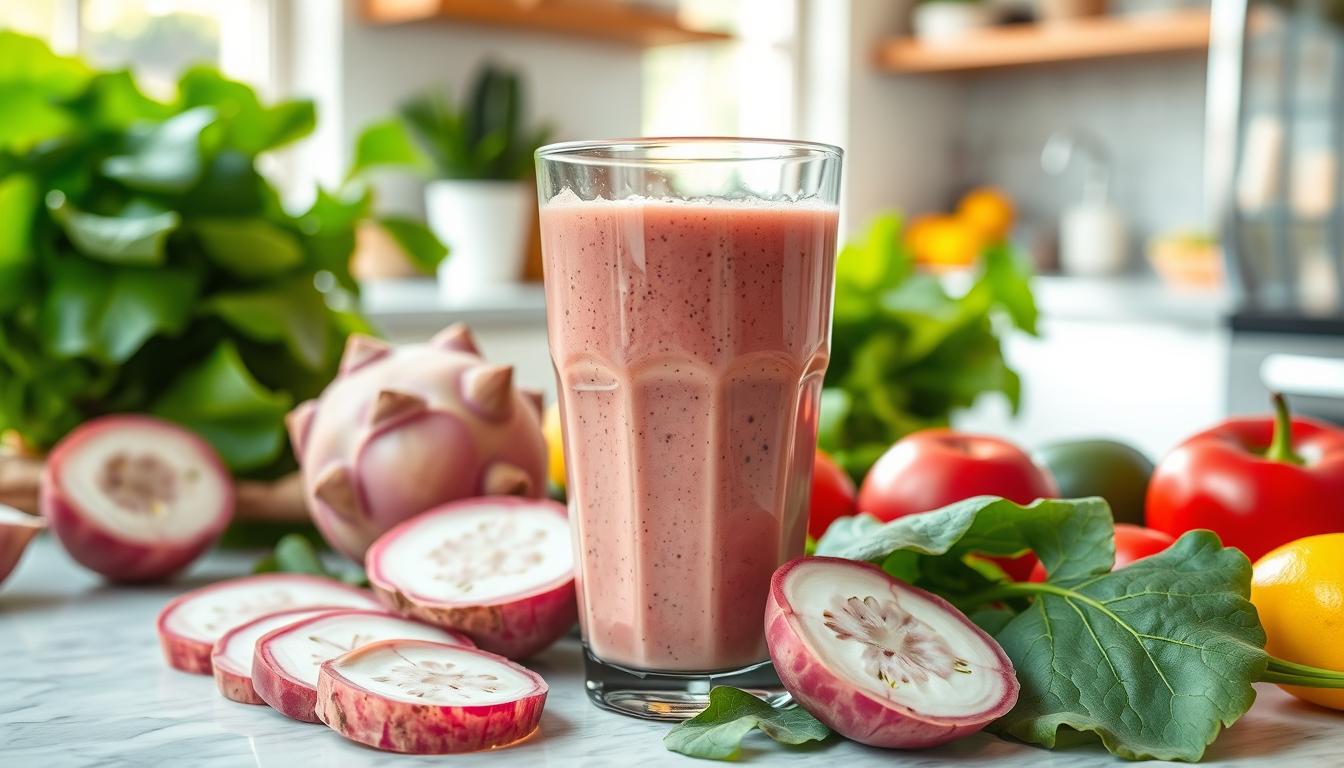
(1257, 482)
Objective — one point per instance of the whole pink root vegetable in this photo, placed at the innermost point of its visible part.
(404, 429)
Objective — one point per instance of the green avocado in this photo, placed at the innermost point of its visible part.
(1112, 470)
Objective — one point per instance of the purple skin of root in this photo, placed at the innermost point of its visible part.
(405, 429)
(103, 550)
(362, 715)
(848, 708)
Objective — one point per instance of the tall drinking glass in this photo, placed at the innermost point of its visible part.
(688, 303)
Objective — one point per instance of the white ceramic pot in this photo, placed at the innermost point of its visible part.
(944, 22)
(484, 224)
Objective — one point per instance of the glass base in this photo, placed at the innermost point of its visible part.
(670, 695)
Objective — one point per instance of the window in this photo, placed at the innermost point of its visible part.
(155, 38)
(686, 91)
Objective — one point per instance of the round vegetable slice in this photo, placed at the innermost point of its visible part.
(16, 530)
(881, 662)
(190, 625)
(231, 658)
(428, 698)
(286, 661)
(500, 569)
(135, 498)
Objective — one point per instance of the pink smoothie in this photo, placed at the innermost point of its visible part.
(689, 341)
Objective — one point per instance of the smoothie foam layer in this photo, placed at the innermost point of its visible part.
(689, 340)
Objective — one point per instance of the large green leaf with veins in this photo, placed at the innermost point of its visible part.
(1154, 658)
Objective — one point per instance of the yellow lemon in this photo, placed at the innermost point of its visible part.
(944, 242)
(987, 211)
(1298, 590)
(555, 445)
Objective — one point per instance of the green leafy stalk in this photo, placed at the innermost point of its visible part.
(146, 265)
(905, 352)
(717, 732)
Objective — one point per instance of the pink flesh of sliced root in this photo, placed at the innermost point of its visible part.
(16, 530)
(881, 662)
(231, 658)
(428, 699)
(190, 624)
(499, 569)
(134, 498)
(285, 664)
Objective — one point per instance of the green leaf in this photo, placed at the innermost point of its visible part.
(421, 246)
(220, 399)
(386, 143)
(247, 125)
(248, 248)
(167, 158)
(292, 312)
(127, 239)
(1007, 280)
(113, 101)
(294, 553)
(1154, 658)
(1072, 537)
(29, 61)
(106, 313)
(717, 732)
(30, 118)
(18, 203)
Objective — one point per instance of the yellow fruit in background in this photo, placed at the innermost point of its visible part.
(944, 242)
(989, 212)
(1298, 590)
(555, 445)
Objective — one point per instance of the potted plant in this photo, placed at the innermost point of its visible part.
(481, 200)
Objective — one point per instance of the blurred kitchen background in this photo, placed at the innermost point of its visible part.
(1170, 169)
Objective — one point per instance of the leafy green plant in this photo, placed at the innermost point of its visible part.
(905, 354)
(484, 139)
(146, 264)
(295, 553)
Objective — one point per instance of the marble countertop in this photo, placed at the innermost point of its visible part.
(82, 683)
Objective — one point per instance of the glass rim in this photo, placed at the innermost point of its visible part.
(636, 151)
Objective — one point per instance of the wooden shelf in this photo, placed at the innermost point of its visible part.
(1022, 45)
(592, 19)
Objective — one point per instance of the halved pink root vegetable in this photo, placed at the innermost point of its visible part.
(500, 569)
(135, 498)
(879, 661)
(16, 530)
(286, 661)
(190, 625)
(231, 658)
(429, 699)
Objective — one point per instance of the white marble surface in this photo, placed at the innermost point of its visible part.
(82, 683)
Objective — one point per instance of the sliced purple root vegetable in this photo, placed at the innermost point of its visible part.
(190, 625)
(500, 569)
(286, 661)
(16, 530)
(135, 498)
(231, 658)
(427, 698)
(881, 662)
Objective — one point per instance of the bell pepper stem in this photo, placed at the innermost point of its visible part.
(1281, 444)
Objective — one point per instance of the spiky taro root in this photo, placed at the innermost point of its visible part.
(404, 429)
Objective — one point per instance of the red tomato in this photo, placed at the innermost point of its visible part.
(1132, 542)
(832, 494)
(936, 467)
